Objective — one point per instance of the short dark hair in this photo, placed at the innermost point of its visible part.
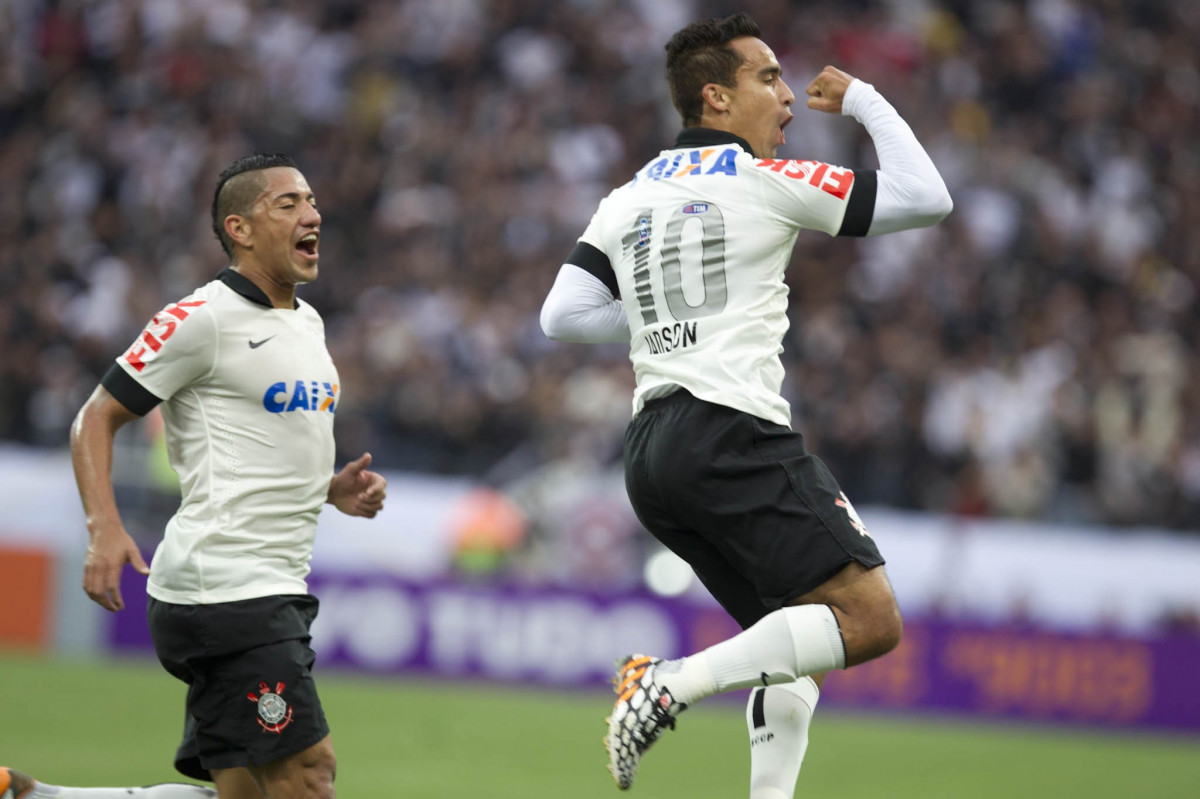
(237, 190)
(698, 55)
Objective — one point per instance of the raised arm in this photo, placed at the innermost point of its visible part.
(910, 191)
(109, 546)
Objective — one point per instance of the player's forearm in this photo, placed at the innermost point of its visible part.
(581, 309)
(92, 436)
(911, 193)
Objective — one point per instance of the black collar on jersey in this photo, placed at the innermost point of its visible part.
(245, 286)
(703, 137)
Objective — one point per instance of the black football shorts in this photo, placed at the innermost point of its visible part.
(760, 520)
(251, 698)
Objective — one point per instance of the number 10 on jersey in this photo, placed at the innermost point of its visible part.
(711, 262)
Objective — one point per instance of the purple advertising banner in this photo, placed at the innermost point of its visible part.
(559, 637)
(1030, 674)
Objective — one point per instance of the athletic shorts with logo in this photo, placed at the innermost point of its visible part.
(759, 519)
(251, 697)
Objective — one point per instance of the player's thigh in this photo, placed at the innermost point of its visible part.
(773, 510)
(259, 706)
(236, 783)
(269, 706)
(648, 466)
(736, 594)
(854, 586)
(308, 774)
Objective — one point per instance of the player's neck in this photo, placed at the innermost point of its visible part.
(704, 134)
(281, 295)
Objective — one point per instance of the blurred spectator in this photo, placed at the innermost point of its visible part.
(1034, 355)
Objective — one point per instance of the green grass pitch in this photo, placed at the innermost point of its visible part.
(117, 722)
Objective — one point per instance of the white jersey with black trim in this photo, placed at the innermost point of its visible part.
(699, 242)
(248, 397)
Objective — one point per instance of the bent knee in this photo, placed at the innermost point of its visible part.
(319, 772)
(874, 633)
(307, 775)
(889, 631)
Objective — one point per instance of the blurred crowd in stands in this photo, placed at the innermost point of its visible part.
(1036, 355)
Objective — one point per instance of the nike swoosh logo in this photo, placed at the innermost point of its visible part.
(256, 344)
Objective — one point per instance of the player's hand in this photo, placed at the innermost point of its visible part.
(358, 492)
(826, 91)
(107, 554)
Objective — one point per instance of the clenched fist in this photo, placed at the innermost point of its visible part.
(826, 91)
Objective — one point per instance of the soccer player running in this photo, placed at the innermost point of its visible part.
(248, 394)
(695, 247)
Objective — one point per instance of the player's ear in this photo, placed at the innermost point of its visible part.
(716, 97)
(238, 228)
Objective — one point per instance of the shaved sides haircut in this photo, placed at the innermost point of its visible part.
(700, 54)
(238, 187)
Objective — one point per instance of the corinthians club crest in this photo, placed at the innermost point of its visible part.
(274, 713)
(843, 502)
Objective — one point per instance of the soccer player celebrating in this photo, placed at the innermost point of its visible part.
(248, 394)
(712, 468)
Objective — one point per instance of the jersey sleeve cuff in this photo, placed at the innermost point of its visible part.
(857, 93)
(595, 263)
(129, 392)
(860, 208)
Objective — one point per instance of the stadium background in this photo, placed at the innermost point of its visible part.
(1024, 379)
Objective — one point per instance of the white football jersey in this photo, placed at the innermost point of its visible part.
(699, 241)
(248, 397)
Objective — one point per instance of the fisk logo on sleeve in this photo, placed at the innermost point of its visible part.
(829, 179)
(156, 333)
(301, 395)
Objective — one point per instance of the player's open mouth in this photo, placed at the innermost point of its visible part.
(782, 125)
(308, 245)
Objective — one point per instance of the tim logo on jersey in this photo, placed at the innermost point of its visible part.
(301, 395)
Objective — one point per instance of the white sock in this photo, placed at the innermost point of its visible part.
(168, 790)
(783, 646)
(778, 719)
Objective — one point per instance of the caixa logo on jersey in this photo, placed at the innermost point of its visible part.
(301, 395)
